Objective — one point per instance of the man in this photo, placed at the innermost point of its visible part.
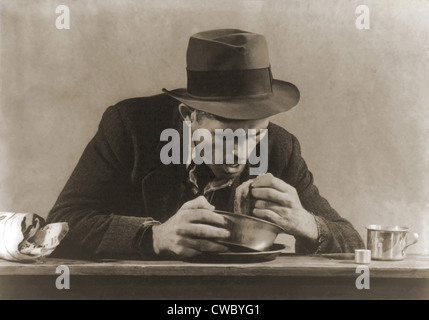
(123, 201)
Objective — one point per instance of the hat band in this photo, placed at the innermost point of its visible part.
(229, 84)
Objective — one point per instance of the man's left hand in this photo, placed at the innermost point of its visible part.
(278, 202)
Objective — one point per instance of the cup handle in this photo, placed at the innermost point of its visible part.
(416, 238)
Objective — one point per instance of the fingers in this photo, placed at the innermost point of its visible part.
(198, 203)
(204, 231)
(185, 252)
(269, 188)
(263, 204)
(269, 215)
(206, 216)
(268, 180)
(188, 248)
(273, 195)
(203, 245)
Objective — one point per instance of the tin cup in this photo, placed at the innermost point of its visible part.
(388, 242)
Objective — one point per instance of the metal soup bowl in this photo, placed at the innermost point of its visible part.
(388, 242)
(249, 232)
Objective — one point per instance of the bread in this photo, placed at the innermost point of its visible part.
(242, 198)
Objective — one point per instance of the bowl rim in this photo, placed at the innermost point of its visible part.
(249, 217)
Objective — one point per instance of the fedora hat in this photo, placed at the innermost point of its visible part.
(229, 75)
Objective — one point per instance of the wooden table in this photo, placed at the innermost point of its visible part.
(290, 276)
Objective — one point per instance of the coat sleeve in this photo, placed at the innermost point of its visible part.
(335, 234)
(103, 219)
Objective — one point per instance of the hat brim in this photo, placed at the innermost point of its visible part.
(284, 97)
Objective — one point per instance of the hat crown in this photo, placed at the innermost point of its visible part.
(229, 75)
(227, 49)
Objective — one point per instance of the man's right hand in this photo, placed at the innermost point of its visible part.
(191, 231)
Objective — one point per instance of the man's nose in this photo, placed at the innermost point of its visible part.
(240, 152)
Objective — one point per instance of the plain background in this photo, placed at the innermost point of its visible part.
(363, 119)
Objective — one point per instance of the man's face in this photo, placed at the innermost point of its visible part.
(211, 124)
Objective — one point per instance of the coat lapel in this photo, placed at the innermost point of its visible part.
(163, 186)
(162, 190)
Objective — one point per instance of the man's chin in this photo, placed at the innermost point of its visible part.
(226, 170)
(232, 169)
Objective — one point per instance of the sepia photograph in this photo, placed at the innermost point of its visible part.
(214, 154)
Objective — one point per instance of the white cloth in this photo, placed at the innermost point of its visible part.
(26, 237)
